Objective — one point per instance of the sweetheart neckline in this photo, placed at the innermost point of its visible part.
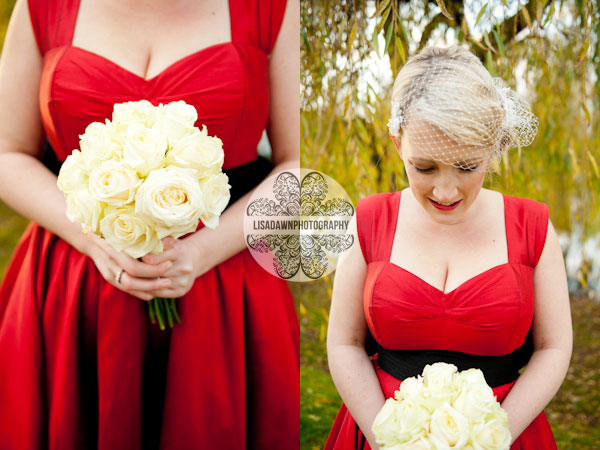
(163, 71)
(457, 287)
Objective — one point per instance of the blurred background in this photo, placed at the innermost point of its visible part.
(549, 51)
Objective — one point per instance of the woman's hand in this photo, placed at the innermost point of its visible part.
(181, 272)
(139, 279)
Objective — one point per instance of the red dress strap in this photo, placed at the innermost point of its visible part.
(256, 21)
(53, 22)
(526, 228)
(376, 218)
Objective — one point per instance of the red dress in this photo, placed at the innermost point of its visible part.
(80, 364)
(489, 314)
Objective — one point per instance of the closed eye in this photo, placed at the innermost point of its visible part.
(429, 169)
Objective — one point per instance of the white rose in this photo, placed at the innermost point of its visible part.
(439, 380)
(417, 443)
(176, 120)
(401, 422)
(472, 376)
(171, 198)
(449, 429)
(113, 183)
(475, 401)
(144, 149)
(492, 435)
(84, 209)
(140, 112)
(215, 193)
(198, 151)
(439, 375)
(127, 232)
(411, 388)
(498, 413)
(385, 424)
(99, 143)
(73, 175)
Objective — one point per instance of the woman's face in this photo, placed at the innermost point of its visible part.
(446, 190)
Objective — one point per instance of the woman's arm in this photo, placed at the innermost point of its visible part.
(351, 369)
(552, 337)
(26, 185)
(211, 247)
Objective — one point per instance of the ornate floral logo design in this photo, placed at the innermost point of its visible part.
(298, 230)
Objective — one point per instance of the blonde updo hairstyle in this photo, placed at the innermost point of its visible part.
(471, 114)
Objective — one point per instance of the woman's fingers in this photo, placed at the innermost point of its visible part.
(141, 269)
(142, 295)
(131, 283)
(169, 253)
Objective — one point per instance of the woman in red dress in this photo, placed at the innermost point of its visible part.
(81, 365)
(446, 270)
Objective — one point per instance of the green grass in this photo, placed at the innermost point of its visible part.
(12, 226)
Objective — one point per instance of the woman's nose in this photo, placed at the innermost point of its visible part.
(445, 189)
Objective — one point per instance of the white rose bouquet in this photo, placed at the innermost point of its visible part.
(147, 174)
(443, 409)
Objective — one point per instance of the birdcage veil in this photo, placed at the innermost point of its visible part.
(451, 109)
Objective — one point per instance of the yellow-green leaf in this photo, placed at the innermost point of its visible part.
(352, 35)
(400, 48)
(303, 311)
(384, 18)
(388, 36)
(594, 164)
(375, 40)
(404, 33)
(583, 52)
(487, 41)
(587, 113)
(384, 4)
(481, 11)
(527, 18)
(479, 44)
(582, 279)
(489, 62)
(549, 15)
(445, 12)
(499, 42)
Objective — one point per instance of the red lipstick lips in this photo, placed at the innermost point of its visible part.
(445, 207)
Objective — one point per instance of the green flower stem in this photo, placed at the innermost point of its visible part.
(173, 303)
(159, 308)
(167, 306)
(158, 311)
(151, 311)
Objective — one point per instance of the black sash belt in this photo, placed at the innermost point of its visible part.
(242, 179)
(497, 370)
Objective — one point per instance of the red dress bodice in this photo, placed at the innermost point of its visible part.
(488, 314)
(226, 82)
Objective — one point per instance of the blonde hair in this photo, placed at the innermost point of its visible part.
(473, 115)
